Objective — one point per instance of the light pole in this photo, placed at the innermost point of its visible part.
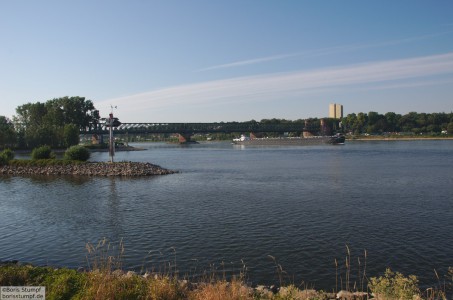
(111, 141)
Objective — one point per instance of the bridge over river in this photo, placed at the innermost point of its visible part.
(186, 130)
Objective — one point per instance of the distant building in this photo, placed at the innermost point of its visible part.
(335, 111)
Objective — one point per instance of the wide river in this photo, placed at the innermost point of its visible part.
(274, 212)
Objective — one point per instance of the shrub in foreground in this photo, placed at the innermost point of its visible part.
(43, 152)
(77, 153)
(394, 286)
(8, 153)
(5, 156)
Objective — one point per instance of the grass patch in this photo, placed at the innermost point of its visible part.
(42, 162)
(60, 283)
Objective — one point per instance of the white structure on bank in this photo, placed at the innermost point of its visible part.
(335, 111)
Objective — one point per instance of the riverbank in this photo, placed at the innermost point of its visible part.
(128, 169)
(383, 138)
(107, 283)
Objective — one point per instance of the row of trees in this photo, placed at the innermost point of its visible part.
(55, 123)
(414, 123)
(375, 123)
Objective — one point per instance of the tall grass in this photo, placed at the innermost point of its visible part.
(105, 278)
(105, 257)
(345, 277)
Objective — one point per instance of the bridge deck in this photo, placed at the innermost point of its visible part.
(194, 128)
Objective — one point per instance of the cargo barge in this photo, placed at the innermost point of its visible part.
(337, 139)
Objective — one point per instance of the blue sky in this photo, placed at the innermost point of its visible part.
(211, 61)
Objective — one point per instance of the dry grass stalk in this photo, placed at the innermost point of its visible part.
(220, 290)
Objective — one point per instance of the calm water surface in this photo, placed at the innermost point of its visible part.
(231, 206)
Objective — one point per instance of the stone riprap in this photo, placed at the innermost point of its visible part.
(88, 169)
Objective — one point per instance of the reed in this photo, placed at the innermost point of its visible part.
(104, 256)
(279, 270)
(105, 279)
(348, 280)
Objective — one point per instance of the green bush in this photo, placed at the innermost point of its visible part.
(60, 283)
(9, 154)
(394, 286)
(77, 153)
(5, 156)
(43, 152)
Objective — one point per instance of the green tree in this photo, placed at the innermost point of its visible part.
(7, 133)
(422, 121)
(432, 128)
(373, 117)
(71, 135)
(450, 128)
(381, 125)
(30, 118)
(392, 121)
(362, 120)
(30, 114)
(44, 123)
(376, 123)
(349, 122)
(76, 110)
(408, 121)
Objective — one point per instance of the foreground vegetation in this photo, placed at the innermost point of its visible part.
(115, 284)
(104, 279)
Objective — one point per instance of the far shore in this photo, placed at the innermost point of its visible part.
(381, 138)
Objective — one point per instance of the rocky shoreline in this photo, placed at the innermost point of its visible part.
(128, 169)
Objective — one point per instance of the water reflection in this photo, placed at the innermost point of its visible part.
(114, 215)
(73, 180)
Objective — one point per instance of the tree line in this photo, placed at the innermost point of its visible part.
(410, 123)
(375, 123)
(55, 123)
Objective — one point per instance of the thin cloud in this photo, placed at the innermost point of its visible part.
(249, 62)
(324, 51)
(277, 86)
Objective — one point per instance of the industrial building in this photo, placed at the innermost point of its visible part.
(335, 111)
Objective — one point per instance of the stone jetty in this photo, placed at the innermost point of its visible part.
(127, 169)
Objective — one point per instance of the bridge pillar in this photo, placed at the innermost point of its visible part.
(325, 128)
(184, 138)
(307, 133)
